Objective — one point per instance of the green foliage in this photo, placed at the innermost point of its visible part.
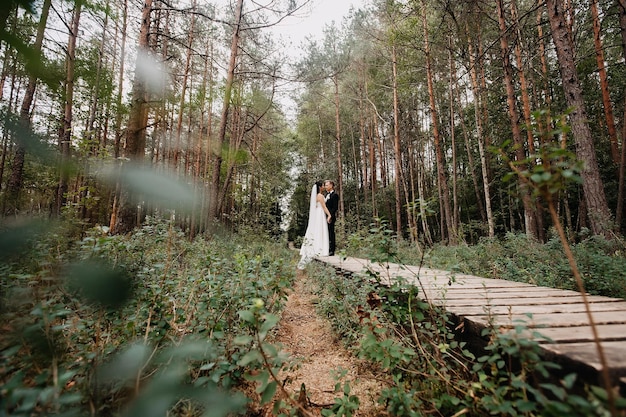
(144, 324)
(430, 366)
(516, 257)
(345, 405)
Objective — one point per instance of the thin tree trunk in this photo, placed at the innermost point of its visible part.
(604, 83)
(470, 157)
(597, 206)
(441, 173)
(396, 142)
(455, 194)
(545, 76)
(17, 172)
(530, 223)
(90, 137)
(477, 91)
(622, 165)
(338, 144)
(209, 134)
(65, 139)
(120, 84)
(530, 141)
(181, 109)
(522, 79)
(221, 135)
(124, 216)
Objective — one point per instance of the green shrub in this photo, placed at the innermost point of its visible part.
(145, 324)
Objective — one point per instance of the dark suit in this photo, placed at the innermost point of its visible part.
(332, 204)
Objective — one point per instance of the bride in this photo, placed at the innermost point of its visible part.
(315, 242)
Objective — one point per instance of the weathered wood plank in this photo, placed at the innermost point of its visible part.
(558, 315)
(474, 307)
(553, 320)
(588, 354)
(606, 332)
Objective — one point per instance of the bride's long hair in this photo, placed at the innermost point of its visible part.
(319, 185)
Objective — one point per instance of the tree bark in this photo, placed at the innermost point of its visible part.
(338, 144)
(124, 215)
(179, 123)
(622, 165)
(136, 131)
(14, 185)
(221, 135)
(441, 173)
(120, 83)
(478, 111)
(530, 223)
(65, 139)
(396, 142)
(604, 83)
(595, 198)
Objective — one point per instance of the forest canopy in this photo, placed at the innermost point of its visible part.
(451, 120)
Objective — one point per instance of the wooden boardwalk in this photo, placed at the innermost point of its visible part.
(559, 315)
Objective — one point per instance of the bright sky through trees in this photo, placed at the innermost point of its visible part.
(310, 22)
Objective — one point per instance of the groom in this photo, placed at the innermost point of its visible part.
(332, 203)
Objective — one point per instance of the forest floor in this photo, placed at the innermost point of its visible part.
(321, 358)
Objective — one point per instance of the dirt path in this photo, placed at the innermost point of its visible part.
(310, 340)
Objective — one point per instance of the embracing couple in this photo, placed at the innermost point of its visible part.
(319, 239)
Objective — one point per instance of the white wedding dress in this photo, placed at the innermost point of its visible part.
(315, 242)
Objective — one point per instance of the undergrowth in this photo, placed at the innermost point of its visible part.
(142, 325)
(514, 257)
(430, 370)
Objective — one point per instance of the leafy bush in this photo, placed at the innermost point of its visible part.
(145, 324)
(430, 368)
(516, 257)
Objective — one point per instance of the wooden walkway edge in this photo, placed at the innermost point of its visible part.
(558, 315)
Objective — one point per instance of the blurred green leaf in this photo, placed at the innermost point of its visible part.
(99, 283)
(150, 185)
(16, 238)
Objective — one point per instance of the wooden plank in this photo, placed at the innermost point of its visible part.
(460, 293)
(552, 320)
(587, 353)
(559, 315)
(606, 332)
(469, 309)
(509, 301)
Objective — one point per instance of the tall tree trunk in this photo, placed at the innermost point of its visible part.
(120, 83)
(209, 133)
(221, 135)
(65, 139)
(469, 150)
(124, 215)
(530, 140)
(597, 206)
(455, 194)
(544, 73)
(522, 79)
(338, 144)
(372, 141)
(421, 193)
(396, 143)
(136, 131)
(17, 171)
(442, 179)
(478, 99)
(365, 183)
(622, 165)
(90, 136)
(604, 83)
(179, 123)
(520, 154)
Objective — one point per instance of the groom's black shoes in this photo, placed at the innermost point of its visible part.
(331, 253)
